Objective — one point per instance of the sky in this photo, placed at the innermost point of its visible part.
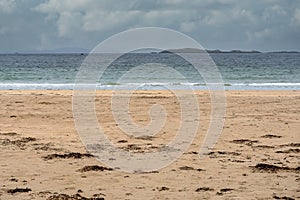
(40, 25)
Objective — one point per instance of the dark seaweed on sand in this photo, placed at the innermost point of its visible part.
(262, 167)
(290, 145)
(215, 153)
(244, 141)
(19, 142)
(224, 190)
(73, 197)
(204, 189)
(163, 188)
(16, 190)
(285, 197)
(190, 168)
(9, 134)
(67, 155)
(289, 151)
(270, 136)
(95, 168)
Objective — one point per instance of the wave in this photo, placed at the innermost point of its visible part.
(145, 86)
(274, 84)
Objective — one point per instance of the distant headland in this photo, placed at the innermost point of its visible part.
(193, 50)
(83, 51)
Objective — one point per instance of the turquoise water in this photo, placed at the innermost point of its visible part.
(245, 71)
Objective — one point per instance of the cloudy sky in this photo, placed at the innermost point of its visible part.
(35, 25)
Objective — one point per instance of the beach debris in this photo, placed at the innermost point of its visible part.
(9, 134)
(46, 147)
(186, 168)
(204, 189)
(236, 161)
(192, 152)
(289, 151)
(68, 155)
(163, 188)
(16, 190)
(214, 154)
(133, 147)
(122, 141)
(150, 172)
(12, 179)
(95, 168)
(45, 103)
(144, 137)
(244, 141)
(19, 142)
(190, 168)
(73, 197)
(224, 190)
(284, 197)
(265, 146)
(270, 136)
(290, 145)
(263, 167)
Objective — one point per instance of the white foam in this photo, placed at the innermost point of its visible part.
(160, 85)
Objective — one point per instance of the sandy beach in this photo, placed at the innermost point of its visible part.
(256, 157)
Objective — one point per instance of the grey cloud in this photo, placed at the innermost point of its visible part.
(34, 25)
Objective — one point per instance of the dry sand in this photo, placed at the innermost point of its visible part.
(256, 157)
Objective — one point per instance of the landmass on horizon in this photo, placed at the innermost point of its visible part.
(71, 50)
(193, 50)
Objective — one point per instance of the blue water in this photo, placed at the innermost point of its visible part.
(240, 71)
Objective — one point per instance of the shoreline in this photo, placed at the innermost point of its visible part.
(153, 86)
(109, 91)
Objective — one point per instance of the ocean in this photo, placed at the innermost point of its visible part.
(239, 71)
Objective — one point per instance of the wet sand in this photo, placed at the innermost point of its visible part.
(256, 157)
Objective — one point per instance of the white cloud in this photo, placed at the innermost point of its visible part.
(69, 22)
(104, 21)
(215, 17)
(7, 6)
(296, 17)
(188, 27)
(263, 33)
(278, 10)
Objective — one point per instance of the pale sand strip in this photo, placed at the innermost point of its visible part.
(260, 127)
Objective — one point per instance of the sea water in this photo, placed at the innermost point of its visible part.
(239, 71)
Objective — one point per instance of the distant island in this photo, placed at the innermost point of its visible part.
(82, 51)
(193, 50)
